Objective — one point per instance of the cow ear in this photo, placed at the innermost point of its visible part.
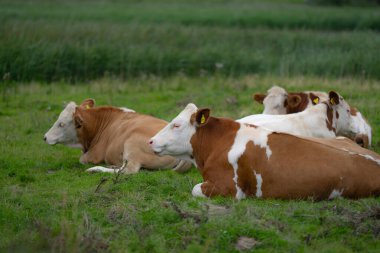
(202, 116)
(259, 97)
(78, 120)
(88, 103)
(333, 98)
(314, 99)
(294, 100)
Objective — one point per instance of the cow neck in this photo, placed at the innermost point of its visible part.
(100, 119)
(216, 136)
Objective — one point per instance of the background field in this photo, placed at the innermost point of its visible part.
(155, 58)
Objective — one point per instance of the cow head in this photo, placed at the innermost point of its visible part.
(175, 138)
(63, 130)
(274, 101)
(349, 122)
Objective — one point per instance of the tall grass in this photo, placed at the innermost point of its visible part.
(51, 52)
(48, 40)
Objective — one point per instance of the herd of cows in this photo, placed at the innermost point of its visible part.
(304, 145)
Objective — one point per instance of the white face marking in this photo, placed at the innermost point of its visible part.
(360, 126)
(63, 130)
(335, 194)
(274, 101)
(259, 183)
(124, 109)
(259, 136)
(197, 191)
(174, 139)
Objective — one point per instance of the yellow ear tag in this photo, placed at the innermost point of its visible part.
(88, 107)
(203, 119)
(316, 100)
(332, 101)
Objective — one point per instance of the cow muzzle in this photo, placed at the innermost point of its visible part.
(362, 140)
(156, 149)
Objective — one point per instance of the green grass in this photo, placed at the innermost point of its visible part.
(52, 41)
(48, 202)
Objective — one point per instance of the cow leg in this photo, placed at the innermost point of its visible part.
(131, 167)
(107, 170)
(197, 191)
(205, 190)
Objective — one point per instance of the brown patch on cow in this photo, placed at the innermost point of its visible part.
(215, 137)
(330, 119)
(299, 107)
(313, 98)
(353, 111)
(259, 97)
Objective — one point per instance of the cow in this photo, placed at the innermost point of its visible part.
(327, 119)
(242, 160)
(279, 101)
(116, 136)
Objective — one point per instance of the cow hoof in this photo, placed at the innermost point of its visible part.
(197, 191)
(95, 169)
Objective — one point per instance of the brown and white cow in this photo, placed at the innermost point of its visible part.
(240, 160)
(279, 101)
(326, 119)
(116, 136)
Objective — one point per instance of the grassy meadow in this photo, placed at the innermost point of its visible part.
(155, 57)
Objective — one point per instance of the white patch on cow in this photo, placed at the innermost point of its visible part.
(197, 191)
(369, 157)
(259, 136)
(259, 183)
(102, 169)
(125, 109)
(335, 194)
(309, 123)
(341, 138)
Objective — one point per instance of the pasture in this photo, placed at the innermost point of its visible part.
(155, 59)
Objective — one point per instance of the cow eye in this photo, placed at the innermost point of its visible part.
(176, 126)
(61, 124)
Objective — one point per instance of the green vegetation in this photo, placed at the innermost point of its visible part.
(76, 41)
(48, 202)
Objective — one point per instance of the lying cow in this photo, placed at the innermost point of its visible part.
(111, 135)
(326, 119)
(238, 159)
(278, 101)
